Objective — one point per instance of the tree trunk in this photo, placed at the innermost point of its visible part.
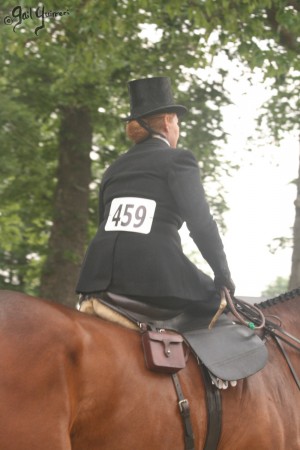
(295, 273)
(70, 219)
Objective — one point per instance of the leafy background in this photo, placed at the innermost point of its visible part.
(64, 90)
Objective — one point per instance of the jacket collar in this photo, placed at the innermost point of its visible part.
(151, 143)
(157, 136)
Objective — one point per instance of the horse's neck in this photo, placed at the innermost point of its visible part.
(286, 310)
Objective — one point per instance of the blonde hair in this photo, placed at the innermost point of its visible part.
(137, 133)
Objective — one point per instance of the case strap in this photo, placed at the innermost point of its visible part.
(184, 408)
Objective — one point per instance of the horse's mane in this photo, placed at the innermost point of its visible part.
(279, 299)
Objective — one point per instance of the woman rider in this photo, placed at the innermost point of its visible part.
(145, 196)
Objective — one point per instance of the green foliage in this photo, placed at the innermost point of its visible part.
(86, 57)
(280, 243)
(279, 286)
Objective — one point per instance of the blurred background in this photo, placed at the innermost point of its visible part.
(63, 88)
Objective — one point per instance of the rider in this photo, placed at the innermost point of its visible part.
(145, 196)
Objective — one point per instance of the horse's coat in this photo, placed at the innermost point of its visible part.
(69, 381)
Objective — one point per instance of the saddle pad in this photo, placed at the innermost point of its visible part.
(95, 308)
(230, 351)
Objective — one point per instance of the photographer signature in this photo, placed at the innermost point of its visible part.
(20, 15)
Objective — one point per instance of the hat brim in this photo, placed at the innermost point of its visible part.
(180, 110)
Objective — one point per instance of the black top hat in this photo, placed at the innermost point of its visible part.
(149, 96)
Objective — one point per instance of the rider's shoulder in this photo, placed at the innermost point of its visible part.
(184, 156)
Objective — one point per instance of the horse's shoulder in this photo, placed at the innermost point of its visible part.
(38, 322)
(34, 325)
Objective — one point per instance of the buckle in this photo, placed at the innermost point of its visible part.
(184, 405)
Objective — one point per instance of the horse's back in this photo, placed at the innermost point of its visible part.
(38, 351)
(69, 381)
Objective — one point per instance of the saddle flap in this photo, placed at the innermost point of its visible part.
(230, 351)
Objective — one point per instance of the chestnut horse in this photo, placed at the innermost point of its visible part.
(70, 381)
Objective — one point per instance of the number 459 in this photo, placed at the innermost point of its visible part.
(127, 213)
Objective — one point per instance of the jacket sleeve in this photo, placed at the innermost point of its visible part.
(187, 190)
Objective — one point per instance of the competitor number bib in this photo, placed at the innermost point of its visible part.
(132, 214)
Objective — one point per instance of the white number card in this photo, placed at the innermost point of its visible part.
(132, 214)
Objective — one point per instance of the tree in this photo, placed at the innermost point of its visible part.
(68, 85)
(75, 69)
(294, 281)
(70, 204)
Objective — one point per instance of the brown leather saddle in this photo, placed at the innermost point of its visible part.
(230, 351)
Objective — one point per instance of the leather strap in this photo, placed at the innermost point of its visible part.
(147, 127)
(184, 408)
(296, 347)
(296, 378)
(270, 326)
(214, 411)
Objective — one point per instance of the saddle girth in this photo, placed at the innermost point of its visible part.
(184, 408)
